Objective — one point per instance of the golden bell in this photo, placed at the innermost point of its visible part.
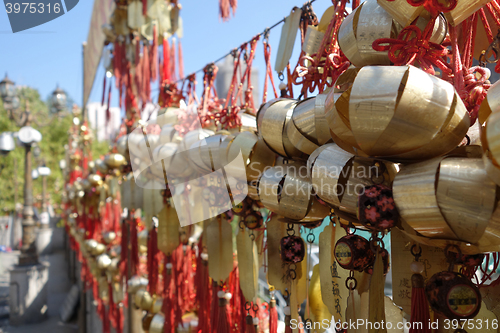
(135, 283)
(287, 191)
(103, 261)
(338, 177)
(98, 249)
(368, 22)
(157, 323)
(94, 179)
(109, 237)
(256, 154)
(114, 265)
(146, 321)
(434, 198)
(400, 113)
(272, 120)
(101, 166)
(143, 299)
(114, 161)
(90, 244)
(157, 305)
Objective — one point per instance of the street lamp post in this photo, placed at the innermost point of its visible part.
(27, 136)
(29, 276)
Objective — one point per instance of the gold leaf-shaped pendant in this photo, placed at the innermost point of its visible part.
(333, 290)
(168, 230)
(135, 17)
(220, 248)
(247, 264)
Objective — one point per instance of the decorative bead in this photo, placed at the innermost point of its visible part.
(228, 296)
(286, 311)
(204, 256)
(282, 86)
(256, 321)
(417, 267)
(221, 294)
(169, 265)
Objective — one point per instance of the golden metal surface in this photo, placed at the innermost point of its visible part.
(466, 196)
(491, 103)
(463, 10)
(273, 124)
(290, 149)
(447, 137)
(295, 196)
(320, 123)
(415, 197)
(492, 131)
(373, 23)
(298, 140)
(303, 118)
(347, 37)
(491, 236)
(328, 171)
(422, 110)
(312, 41)
(247, 264)
(401, 10)
(220, 248)
(373, 100)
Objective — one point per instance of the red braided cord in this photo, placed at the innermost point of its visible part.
(269, 72)
(413, 46)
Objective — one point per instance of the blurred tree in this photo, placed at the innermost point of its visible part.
(52, 147)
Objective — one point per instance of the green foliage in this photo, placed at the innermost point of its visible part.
(52, 146)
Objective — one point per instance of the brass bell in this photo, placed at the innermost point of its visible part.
(135, 283)
(98, 249)
(114, 161)
(109, 236)
(157, 323)
(146, 321)
(90, 244)
(103, 261)
(94, 179)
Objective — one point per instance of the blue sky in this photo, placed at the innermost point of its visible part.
(50, 54)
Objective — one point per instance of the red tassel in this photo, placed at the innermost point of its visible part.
(214, 314)
(203, 294)
(144, 7)
(168, 299)
(146, 80)
(166, 60)
(273, 316)
(124, 249)
(172, 61)
(222, 321)
(249, 327)
(152, 264)
(112, 307)
(419, 305)
(134, 246)
(181, 60)
(154, 56)
(105, 320)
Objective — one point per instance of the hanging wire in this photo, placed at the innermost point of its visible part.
(263, 33)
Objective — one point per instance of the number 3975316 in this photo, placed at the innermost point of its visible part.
(32, 8)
